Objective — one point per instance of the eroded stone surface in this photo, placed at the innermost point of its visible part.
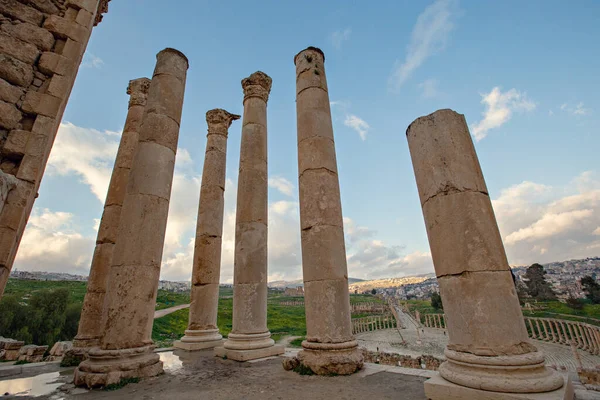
(92, 320)
(202, 324)
(488, 345)
(330, 347)
(126, 348)
(250, 337)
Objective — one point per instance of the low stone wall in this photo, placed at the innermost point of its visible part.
(368, 324)
(421, 362)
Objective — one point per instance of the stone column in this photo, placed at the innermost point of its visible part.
(91, 323)
(330, 347)
(533, 335)
(202, 331)
(572, 334)
(250, 338)
(540, 333)
(488, 348)
(583, 338)
(127, 350)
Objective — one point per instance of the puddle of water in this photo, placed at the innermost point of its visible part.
(33, 386)
(171, 362)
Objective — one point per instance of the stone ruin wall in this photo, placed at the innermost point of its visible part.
(42, 43)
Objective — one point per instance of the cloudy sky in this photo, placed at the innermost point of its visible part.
(525, 74)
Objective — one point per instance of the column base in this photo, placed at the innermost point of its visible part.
(331, 358)
(245, 347)
(437, 388)
(106, 367)
(522, 373)
(199, 340)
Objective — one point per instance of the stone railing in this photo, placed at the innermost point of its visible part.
(291, 303)
(368, 324)
(437, 321)
(584, 336)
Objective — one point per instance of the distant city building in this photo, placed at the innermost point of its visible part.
(295, 291)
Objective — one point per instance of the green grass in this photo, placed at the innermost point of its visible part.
(165, 299)
(556, 309)
(297, 342)
(23, 289)
(21, 362)
(365, 298)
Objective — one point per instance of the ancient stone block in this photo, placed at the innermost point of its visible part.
(37, 145)
(20, 11)
(8, 238)
(107, 232)
(254, 209)
(72, 50)
(316, 152)
(15, 71)
(320, 198)
(323, 249)
(251, 313)
(210, 219)
(44, 126)
(251, 250)
(467, 217)
(46, 6)
(30, 33)
(40, 103)
(171, 93)
(255, 112)
(168, 128)
(89, 5)
(16, 142)
(255, 154)
(148, 181)
(85, 19)
(59, 86)
(9, 93)
(18, 49)
(30, 168)
(10, 116)
(118, 185)
(327, 297)
(146, 217)
(203, 306)
(207, 255)
(63, 29)
(52, 63)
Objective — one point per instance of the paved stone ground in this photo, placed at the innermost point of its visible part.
(433, 342)
(200, 375)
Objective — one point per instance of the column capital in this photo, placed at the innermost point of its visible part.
(257, 85)
(102, 9)
(219, 120)
(138, 91)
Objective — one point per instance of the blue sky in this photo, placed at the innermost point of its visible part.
(523, 73)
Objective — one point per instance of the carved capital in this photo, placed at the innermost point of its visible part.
(219, 120)
(102, 9)
(138, 91)
(257, 85)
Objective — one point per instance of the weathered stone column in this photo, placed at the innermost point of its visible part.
(91, 323)
(250, 338)
(126, 349)
(330, 347)
(202, 331)
(488, 345)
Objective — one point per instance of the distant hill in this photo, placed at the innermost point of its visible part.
(388, 282)
(300, 282)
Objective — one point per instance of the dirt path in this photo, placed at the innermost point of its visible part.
(167, 311)
(286, 340)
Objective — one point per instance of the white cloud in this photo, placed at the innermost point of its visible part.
(92, 61)
(86, 153)
(429, 88)
(339, 37)
(596, 231)
(51, 242)
(499, 109)
(578, 110)
(283, 185)
(541, 223)
(358, 124)
(429, 36)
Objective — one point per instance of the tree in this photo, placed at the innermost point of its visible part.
(373, 291)
(537, 286)
(436, 301)
(591, 289)
(575, 304)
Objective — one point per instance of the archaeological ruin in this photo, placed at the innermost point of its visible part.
(489, 353)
